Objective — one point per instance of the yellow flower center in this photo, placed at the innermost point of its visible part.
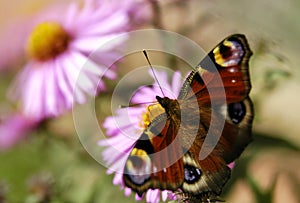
(47, 41)
(145, 120)
(152, 112)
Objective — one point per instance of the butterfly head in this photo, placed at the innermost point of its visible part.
(171, 106)
(164, 101)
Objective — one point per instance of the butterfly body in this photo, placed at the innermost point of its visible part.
(190, 141)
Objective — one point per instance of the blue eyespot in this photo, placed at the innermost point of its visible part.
(237, 112)
(191, 174)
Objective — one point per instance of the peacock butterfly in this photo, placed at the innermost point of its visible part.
(214, 100)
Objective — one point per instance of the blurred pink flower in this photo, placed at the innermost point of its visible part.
(129, 121)
(15, 128)
(59, 71)
(12, 49)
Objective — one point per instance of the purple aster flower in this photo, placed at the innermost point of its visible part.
(20, 25)
(15, 128)
(59, 47)
(125, 127)
(118, 127)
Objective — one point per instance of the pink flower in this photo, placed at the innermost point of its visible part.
(118, 127)
(15, 128)
(17, 27)
(60, 71)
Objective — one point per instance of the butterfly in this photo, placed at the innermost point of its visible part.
(190, 140)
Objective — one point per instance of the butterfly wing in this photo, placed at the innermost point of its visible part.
(221, 86)
(156, 159)
(224, 68)
(204, 180)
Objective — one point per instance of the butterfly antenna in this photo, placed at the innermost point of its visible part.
(152, 69)
(136, 104)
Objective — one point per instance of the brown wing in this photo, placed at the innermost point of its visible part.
(220, 85)
(223, 70)
(204, 178)
(156, 159)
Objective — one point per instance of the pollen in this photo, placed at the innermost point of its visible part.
(47, 41)
(152, 112)
(145, 120)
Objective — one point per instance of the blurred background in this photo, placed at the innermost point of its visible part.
(50, 164)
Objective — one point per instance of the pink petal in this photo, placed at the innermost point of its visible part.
(71, 75)
(153, 196)
(231, 165)
(138, 198)
(90, 44)
(34, 88)
(164, 195)
(127, 191)
(65, 90)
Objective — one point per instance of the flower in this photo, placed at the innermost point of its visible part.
(59, 71)
(16, 26)
(130, 121)
(15, 128)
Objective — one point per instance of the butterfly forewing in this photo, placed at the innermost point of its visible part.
(156, 159)
(221, 84)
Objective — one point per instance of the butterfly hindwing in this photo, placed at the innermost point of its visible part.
(204, 177)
